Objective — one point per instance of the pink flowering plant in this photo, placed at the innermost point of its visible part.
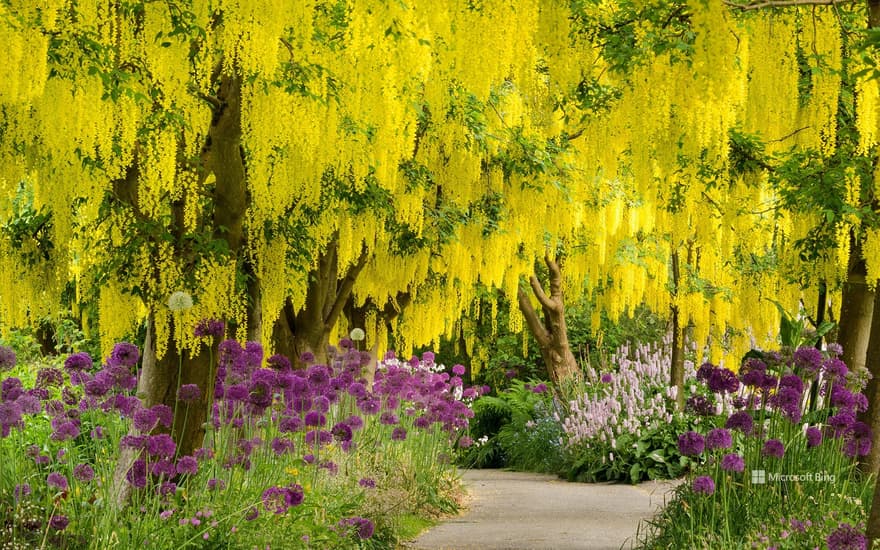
(329, 455)
(783, 442)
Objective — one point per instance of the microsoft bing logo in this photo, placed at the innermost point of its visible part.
(759, 477)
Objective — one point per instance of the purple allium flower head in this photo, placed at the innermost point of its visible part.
(83, 473)
(21, 490)
(606, 378)
(458, 370)
(125, 354)
(718, 438)
(700, 404)
(306, 357)
(10, 413)
(705, 371)
(254, 352)
(66, 430)
(835, 369)
(80, 361)
(860, 402)
(281, 445)
(163, 467)
(355, 422)
(160, 445)
(187, 465)
(398, 434)
(723, 380)
(389, 418)
(189, 393)
(216, 484)
(841, 422)
(275, 500)
(164, 413)
(133, 441)
(137, 475)
(58, 522)
(834, 349)
(10, 389)
(49, 377)
(341, 432)
(318, 376)
(357, 390)
(465, 442)
(209, 327)
(788, 401)
(808, 359)
(252, 514)
(314, 418)
(510, 374)
(57, 481)
(145, 420)
(814, 436)
(773, 448)
(846, 537)
(540, 388)
(99, 385)
(740, 420)
(7, 358)
(260, 394)
(290, 424)
(841, 397)
(279, 362)
(321, 404)
(733, 463)
(369, 406)
(704, 485)
(691, 443)
(367, 483)
(858, 440)
(29, 404)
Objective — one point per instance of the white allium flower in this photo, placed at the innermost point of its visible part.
(180, 301)
(357, 334)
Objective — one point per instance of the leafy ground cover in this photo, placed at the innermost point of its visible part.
(312, 458)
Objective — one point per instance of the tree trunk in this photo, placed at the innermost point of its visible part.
(856, 309)
(309, 329)
(676, 376)
(552, 334)
(871, 463)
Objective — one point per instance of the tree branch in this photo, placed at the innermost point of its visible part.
(344, 289)
(539, 292)
(555, 279)
(538, 331)
(748, 6)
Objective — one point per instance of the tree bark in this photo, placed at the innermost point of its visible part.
(676, 375)
(871, 463)
(856, 309)
(552, 334)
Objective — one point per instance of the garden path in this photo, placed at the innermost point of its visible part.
(525, 511)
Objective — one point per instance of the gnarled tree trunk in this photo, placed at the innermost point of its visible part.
(676, 376)
(309, 329)
(552, 333)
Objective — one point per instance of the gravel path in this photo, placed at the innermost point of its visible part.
(523, 511)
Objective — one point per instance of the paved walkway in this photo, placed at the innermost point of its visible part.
(523, 511)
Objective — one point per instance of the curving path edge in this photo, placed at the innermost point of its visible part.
(525, 511)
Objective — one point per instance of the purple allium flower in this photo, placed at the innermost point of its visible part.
(10, 413)
(367, 483)
(718, 438)
(788, 401)
(357, 390)
(355, 422)
(209, 327)
(510, 374)
(80, 361)
(10, 389)
(398, 434)
(314, 418)
(167, 488)
(48, 377)
(125, 354)
(279, 362)
(98, 386)
(808, 359)
(274, 500)
(57, 480)
(369, 406)
(58, 522)
(21, 490)
(290, 424)
(606, 378)
(7, 358)
(858, 440)
(165, 414)
(318, 376)
(723, 380)
(187, 465)
(834, 349)
(835, 369)
(458, 370)
(65, 431)
(341, 432)
(294, 494)
(260, 394)
(133, 441)
(773, 448)
(465, 442)
(163, 467)
(792, 381)
(704, 485)
(365, 528)
(281, 445)
(540, 388)
(252, 514)
(860, 402)
(733, 463)
(83, 473)
(741, 421)
(137, 475)
(814, 436)
(846, 537)
(841, 422)
(145, 420)
(189, 393)
(691, 443)
(389, 418)
(705, 371)
(160, 445)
